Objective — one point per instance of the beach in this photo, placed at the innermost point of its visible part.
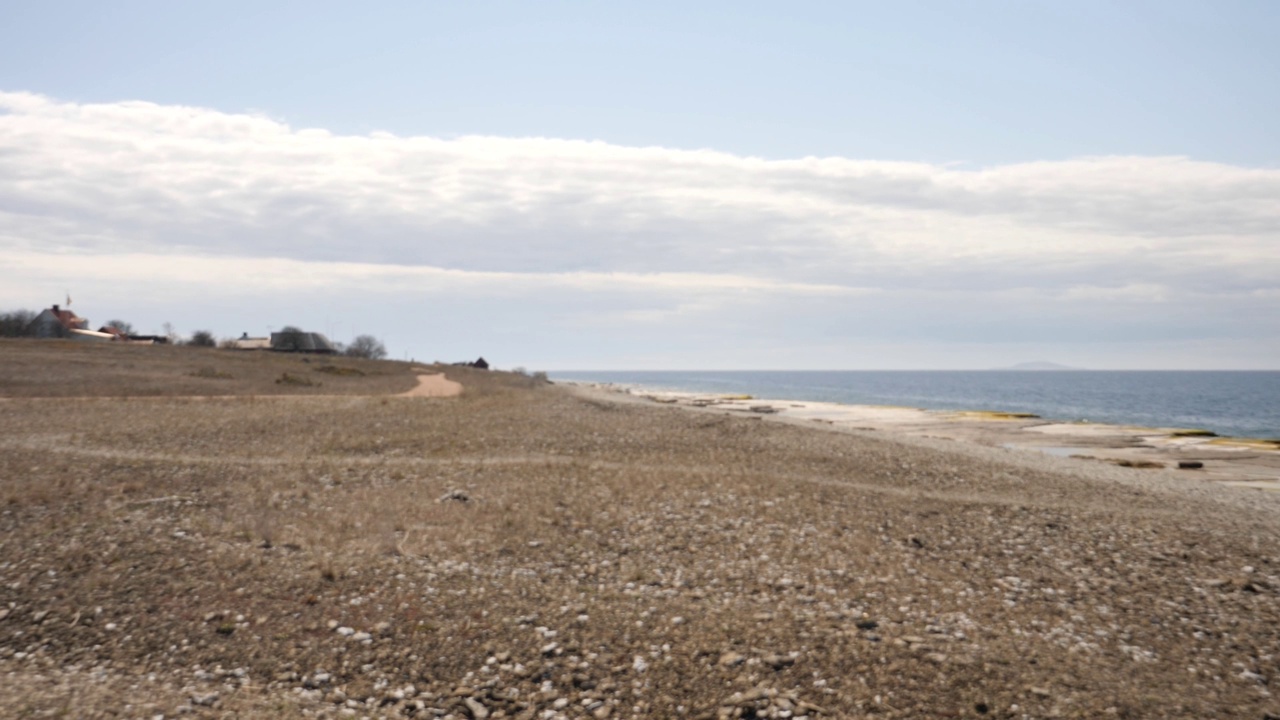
(546, 551)
(1240, 462)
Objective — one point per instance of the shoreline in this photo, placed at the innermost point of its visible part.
(1220, 402)
(1236, 462)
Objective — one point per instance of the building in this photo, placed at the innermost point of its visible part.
(244, 342)
(55, 322)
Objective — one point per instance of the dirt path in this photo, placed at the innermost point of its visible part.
(436, 385)
(432, 385)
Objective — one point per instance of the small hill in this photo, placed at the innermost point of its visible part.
(64, 368)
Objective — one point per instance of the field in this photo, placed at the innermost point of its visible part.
(182, 535)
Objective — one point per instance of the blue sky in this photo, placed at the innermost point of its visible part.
(647, 185)
(939, 82)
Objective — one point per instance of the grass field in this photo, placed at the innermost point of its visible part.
(525, 551)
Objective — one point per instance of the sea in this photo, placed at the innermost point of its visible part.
(1229, 403)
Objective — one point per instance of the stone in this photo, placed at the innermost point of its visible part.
(478, 711)
(454, 495)
(778, 661)
(731, 659)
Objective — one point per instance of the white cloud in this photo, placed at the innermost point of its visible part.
(171, 196)
(290, 275)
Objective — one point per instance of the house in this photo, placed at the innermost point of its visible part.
(55, 322)
(244, 342)
(299, 341)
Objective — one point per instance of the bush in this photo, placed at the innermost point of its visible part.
(211, 373)
(202, 338)
(291, 379)
(122, 326)
(14, 323)
(366, 346)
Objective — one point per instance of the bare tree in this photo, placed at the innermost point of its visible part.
(366, 346)
(122, 326)
(14, 323)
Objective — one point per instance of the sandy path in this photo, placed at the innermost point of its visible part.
(436, 385)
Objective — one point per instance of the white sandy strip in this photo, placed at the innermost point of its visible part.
(436, 385)
(1253, 463)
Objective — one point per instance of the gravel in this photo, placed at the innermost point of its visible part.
(613, 560)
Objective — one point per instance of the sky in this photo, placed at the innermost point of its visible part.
(714, 185)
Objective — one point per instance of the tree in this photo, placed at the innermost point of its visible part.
(14, 323)
(289, 338)
(366, 346)
(202, 338)
(122, 326)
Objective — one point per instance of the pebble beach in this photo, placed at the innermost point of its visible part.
(544, 551)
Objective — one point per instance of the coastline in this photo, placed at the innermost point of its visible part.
(1227, 403)
(1236, 462)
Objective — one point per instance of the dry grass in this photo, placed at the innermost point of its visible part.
(63, 368)
(652, 560)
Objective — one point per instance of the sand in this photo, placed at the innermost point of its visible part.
(1238, 462)
(434, 385)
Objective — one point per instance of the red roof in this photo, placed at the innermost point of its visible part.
(68, 319)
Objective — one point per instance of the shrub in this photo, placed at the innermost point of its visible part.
(366, 346)
(340, 371)
(122, 326)
(211, 373)
(202, 338)
(291, 379)
(14, 323)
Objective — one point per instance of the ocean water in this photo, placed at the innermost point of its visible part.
(1239, 404)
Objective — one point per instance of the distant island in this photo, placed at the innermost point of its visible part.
(1040, 365)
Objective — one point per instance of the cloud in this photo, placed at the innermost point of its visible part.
(290, 275)
(166, 195)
